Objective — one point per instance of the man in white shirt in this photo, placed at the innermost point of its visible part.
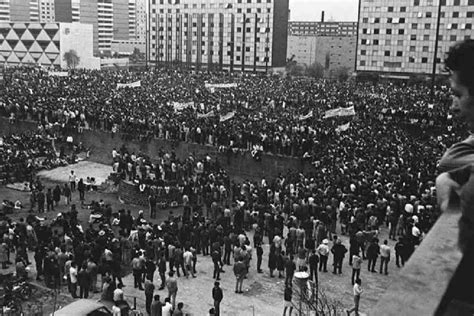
(384, 256)
(73, 277)
(166, 309)
(72, 181)
(188, 263)
(357, 292)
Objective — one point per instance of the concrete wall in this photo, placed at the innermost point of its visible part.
(63, 10)
(19, 10)
(280, 32)
(78, 37)
(88, 15)
(120, 14)
(239, 166)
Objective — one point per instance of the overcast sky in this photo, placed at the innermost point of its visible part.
(310, 10)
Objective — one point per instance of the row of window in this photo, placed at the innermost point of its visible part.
(239, 10)
(413, 37)
(211, 5)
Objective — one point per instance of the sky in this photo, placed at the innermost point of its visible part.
(336, 10)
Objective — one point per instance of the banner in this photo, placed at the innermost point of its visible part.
(58, 73)
(307, 116)
(179, 106)
(220, 85)
(226, 117)
(349, 111)
(129, 85)
(343, 128)
(207, 115)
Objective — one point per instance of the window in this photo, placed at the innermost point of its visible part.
(389, 20)
(376, 31)
(470, 14)
(455, 14)
(363, 41)
(427, 26)
(440, 37)
(364, 31)
(388, 42)
(401, 21)
(399, 53)
(454, 26)
(403, 9)
(425, 49)
(400, 42)
(416, 2)
(414, 26)
(362, 63)
(411, 59)
(365, 20)
(390, 9)
(374, 63)
(428, 14)
(401, 32)
(453, 38)
(457, 2)
(468, 26)
(376, 42)
(412, 48)
(470, 2)
(424, 60)
(388, 31)
(387, 53)
(247, 49)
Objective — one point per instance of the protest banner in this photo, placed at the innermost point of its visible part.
(129, 85)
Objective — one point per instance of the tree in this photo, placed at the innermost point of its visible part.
(137, 56)
(340, 73)
(71, 59)
(316, 70)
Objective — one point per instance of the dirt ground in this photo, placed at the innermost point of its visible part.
(263, 295)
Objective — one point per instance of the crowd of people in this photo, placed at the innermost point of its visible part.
(378, 172)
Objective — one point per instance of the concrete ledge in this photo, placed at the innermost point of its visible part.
(426, 276)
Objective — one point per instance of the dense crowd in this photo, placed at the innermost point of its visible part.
(378, 172)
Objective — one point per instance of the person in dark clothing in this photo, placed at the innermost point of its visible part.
(338, 250)
(84, 280)
(81, 187)
(313, 266)
(399, 253)
(217, 295)
(49, 200)
(162, 271)
(259, 251)
(373, 252)
(288, 297)
(216, 259)
(40, 197)
(272, 259)
(290, 268)
(149, 289)
(227, 249)
(56, 195)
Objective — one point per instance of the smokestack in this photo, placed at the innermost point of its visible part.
(322, 16)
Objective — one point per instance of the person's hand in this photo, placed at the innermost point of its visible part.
(445, 188)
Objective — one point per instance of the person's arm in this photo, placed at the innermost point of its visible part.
(447, 186)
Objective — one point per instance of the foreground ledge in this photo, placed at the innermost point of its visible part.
(423, 281)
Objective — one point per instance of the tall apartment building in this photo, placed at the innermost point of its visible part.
(244, 35)
(306, 28)
(332, 52)
(409, 36)
(19, 10)
(46, 11)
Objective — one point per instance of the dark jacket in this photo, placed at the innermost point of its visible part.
(217, 294)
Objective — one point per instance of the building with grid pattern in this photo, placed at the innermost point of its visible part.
(305, 28)
(236, 35)
(19, 10)
(410, 36)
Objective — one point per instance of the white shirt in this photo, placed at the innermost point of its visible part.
(415, 231)
(73, 274)
(357, 290)
(118, 295)
(166, 309)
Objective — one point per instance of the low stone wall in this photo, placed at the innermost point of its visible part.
(239, 166)
(130, 194)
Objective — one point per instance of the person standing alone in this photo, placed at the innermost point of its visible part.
(217, 295)
(357, 292)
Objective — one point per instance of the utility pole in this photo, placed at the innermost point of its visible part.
(435, 56)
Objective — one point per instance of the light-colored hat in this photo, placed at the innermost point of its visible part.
(101, 233)
(325, 241)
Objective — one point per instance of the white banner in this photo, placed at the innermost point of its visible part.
(179, 106)
(207, 115)
(343, 128)
(307, 116)
(226, 117)
(220, 85)
(349, 111)
(129, 85)
(58, 73)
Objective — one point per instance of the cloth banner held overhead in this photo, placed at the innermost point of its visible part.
(343, 128)
(349, 111)
(179, 106)
(129, 85)
(227, 117)
(220, 85)
(307, 116)
(207, 115)
(58, 73)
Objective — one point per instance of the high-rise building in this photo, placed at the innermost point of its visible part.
(47, 11)
(306, 28)
(19, 10)
(244, 35)
(409, 36)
